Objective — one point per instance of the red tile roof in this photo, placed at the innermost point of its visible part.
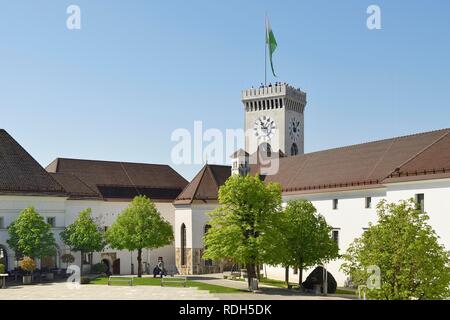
(20, 173)
(109, 179)
(366, 164)
(205, 185)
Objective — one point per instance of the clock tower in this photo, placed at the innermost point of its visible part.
(274, 119)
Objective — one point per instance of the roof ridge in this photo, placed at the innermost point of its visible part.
(381, 158)
(77, 178)
(214, 176)
(419, 153)
(205, 167)
(129, 178)
(374, 141)
(117, 162)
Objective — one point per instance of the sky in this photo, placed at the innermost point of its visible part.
(136, 71)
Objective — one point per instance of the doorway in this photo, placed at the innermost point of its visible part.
(116, 266)
(107, 266)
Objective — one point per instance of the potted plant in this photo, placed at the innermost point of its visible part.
(46, 262)
(2, 268)
(27, 264)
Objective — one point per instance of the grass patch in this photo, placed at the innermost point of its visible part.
(147, 281)
(346, 291)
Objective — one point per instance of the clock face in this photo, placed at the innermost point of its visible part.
(294, 129)
(264, 128)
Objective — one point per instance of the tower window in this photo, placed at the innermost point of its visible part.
(265, 150)
(183, 245)
(294, 149)
(335, 204)
(368, 202)
(281, 103)
(420, 200)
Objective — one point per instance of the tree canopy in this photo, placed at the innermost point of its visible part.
(243, 223)
(30, 235)
(406, 250)
(139, 226)
(83, 234)
(304, 238)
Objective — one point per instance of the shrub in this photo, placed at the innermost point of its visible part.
(67, 258)
(85, 280)
(27, 264)
(99, 268)
(2, 268)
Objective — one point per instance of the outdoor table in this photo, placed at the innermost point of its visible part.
(3, 277)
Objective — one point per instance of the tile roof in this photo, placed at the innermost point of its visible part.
(205, 185)
(366, 164)
(116, 180)
(20, 173)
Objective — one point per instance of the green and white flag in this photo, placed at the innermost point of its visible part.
(271, 43)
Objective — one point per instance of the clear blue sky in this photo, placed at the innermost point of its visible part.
(137, 70)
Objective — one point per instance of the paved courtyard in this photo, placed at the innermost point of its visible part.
(61, 291)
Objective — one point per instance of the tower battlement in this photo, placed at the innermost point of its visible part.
(275, 116)
(282, 90)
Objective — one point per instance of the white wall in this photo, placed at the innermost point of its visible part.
(11, 206)
(351, 216)
(66, 211)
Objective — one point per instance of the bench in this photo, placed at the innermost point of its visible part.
(174, 279)
(121, 280)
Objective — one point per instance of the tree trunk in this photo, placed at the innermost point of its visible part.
(81, 263)
(139, 261)
(250, 274)
(300, 277)
(286, 276)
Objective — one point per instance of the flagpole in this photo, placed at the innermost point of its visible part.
(265, 50)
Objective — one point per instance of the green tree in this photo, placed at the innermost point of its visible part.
(30, 235)
(138, 227)
(83, 235)
(304, 238)
(241, 226)
(404, 246)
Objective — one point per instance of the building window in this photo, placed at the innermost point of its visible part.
(420, 201)
(87, 258)
(294, 149)
(335, 204)
(183, 245)
(368, 202)
(335, 236)
(51, 221)
(265, 150)
(295, 271)
(208, 262)
(2, 223)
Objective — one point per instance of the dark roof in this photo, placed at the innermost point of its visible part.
(367, 164)
(20, 173)
(116, 180)
(205, 185)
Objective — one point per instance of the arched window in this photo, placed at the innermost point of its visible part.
(183, 245)
(208, 262)
(265, 150)
(4, 257)
(294, 149)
